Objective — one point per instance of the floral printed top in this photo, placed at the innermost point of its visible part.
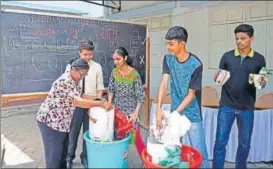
(57, 109)
(127, 91)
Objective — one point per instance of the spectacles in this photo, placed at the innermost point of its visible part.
(82, 74)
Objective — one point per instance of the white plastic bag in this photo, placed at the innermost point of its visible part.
(174, 126)
(101, 124)
(178, 126)
(156, 150)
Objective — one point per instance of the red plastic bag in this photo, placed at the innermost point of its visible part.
(140, 145)
(123, 127)
(122, 124)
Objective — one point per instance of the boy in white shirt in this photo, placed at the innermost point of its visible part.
(92, 85)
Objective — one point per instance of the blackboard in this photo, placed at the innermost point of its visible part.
(36, 48)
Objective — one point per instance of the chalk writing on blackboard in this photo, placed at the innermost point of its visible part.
(48, 31)
(101, 58)
(74, 32)
(142, 61)
(114, 45)
(133, 52)
(19, 30)
(56, 20)
(50, 64)
(41, 67)
(108, 34)
(136, 41)
(33, 46)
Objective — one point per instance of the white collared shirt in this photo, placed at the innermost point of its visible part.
(93, 79)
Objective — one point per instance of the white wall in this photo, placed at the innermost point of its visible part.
(209, 40)
(196, 24)
(210, 27)
(157, 28)
(129, 5)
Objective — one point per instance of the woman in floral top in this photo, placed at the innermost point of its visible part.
(55, 113)
(125, 88)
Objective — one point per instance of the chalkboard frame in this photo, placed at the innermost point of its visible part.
(38, 95)
(69, 16)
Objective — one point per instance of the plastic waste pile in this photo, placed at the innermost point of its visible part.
(174, 126)
(173, 158)
(164, 144)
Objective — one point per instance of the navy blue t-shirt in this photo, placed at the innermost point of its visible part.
(184, 76)
(237, 93)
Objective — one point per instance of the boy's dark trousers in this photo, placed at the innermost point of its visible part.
(80, 118)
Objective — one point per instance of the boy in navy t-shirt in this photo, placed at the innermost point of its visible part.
(238, 97)
(185, 73)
